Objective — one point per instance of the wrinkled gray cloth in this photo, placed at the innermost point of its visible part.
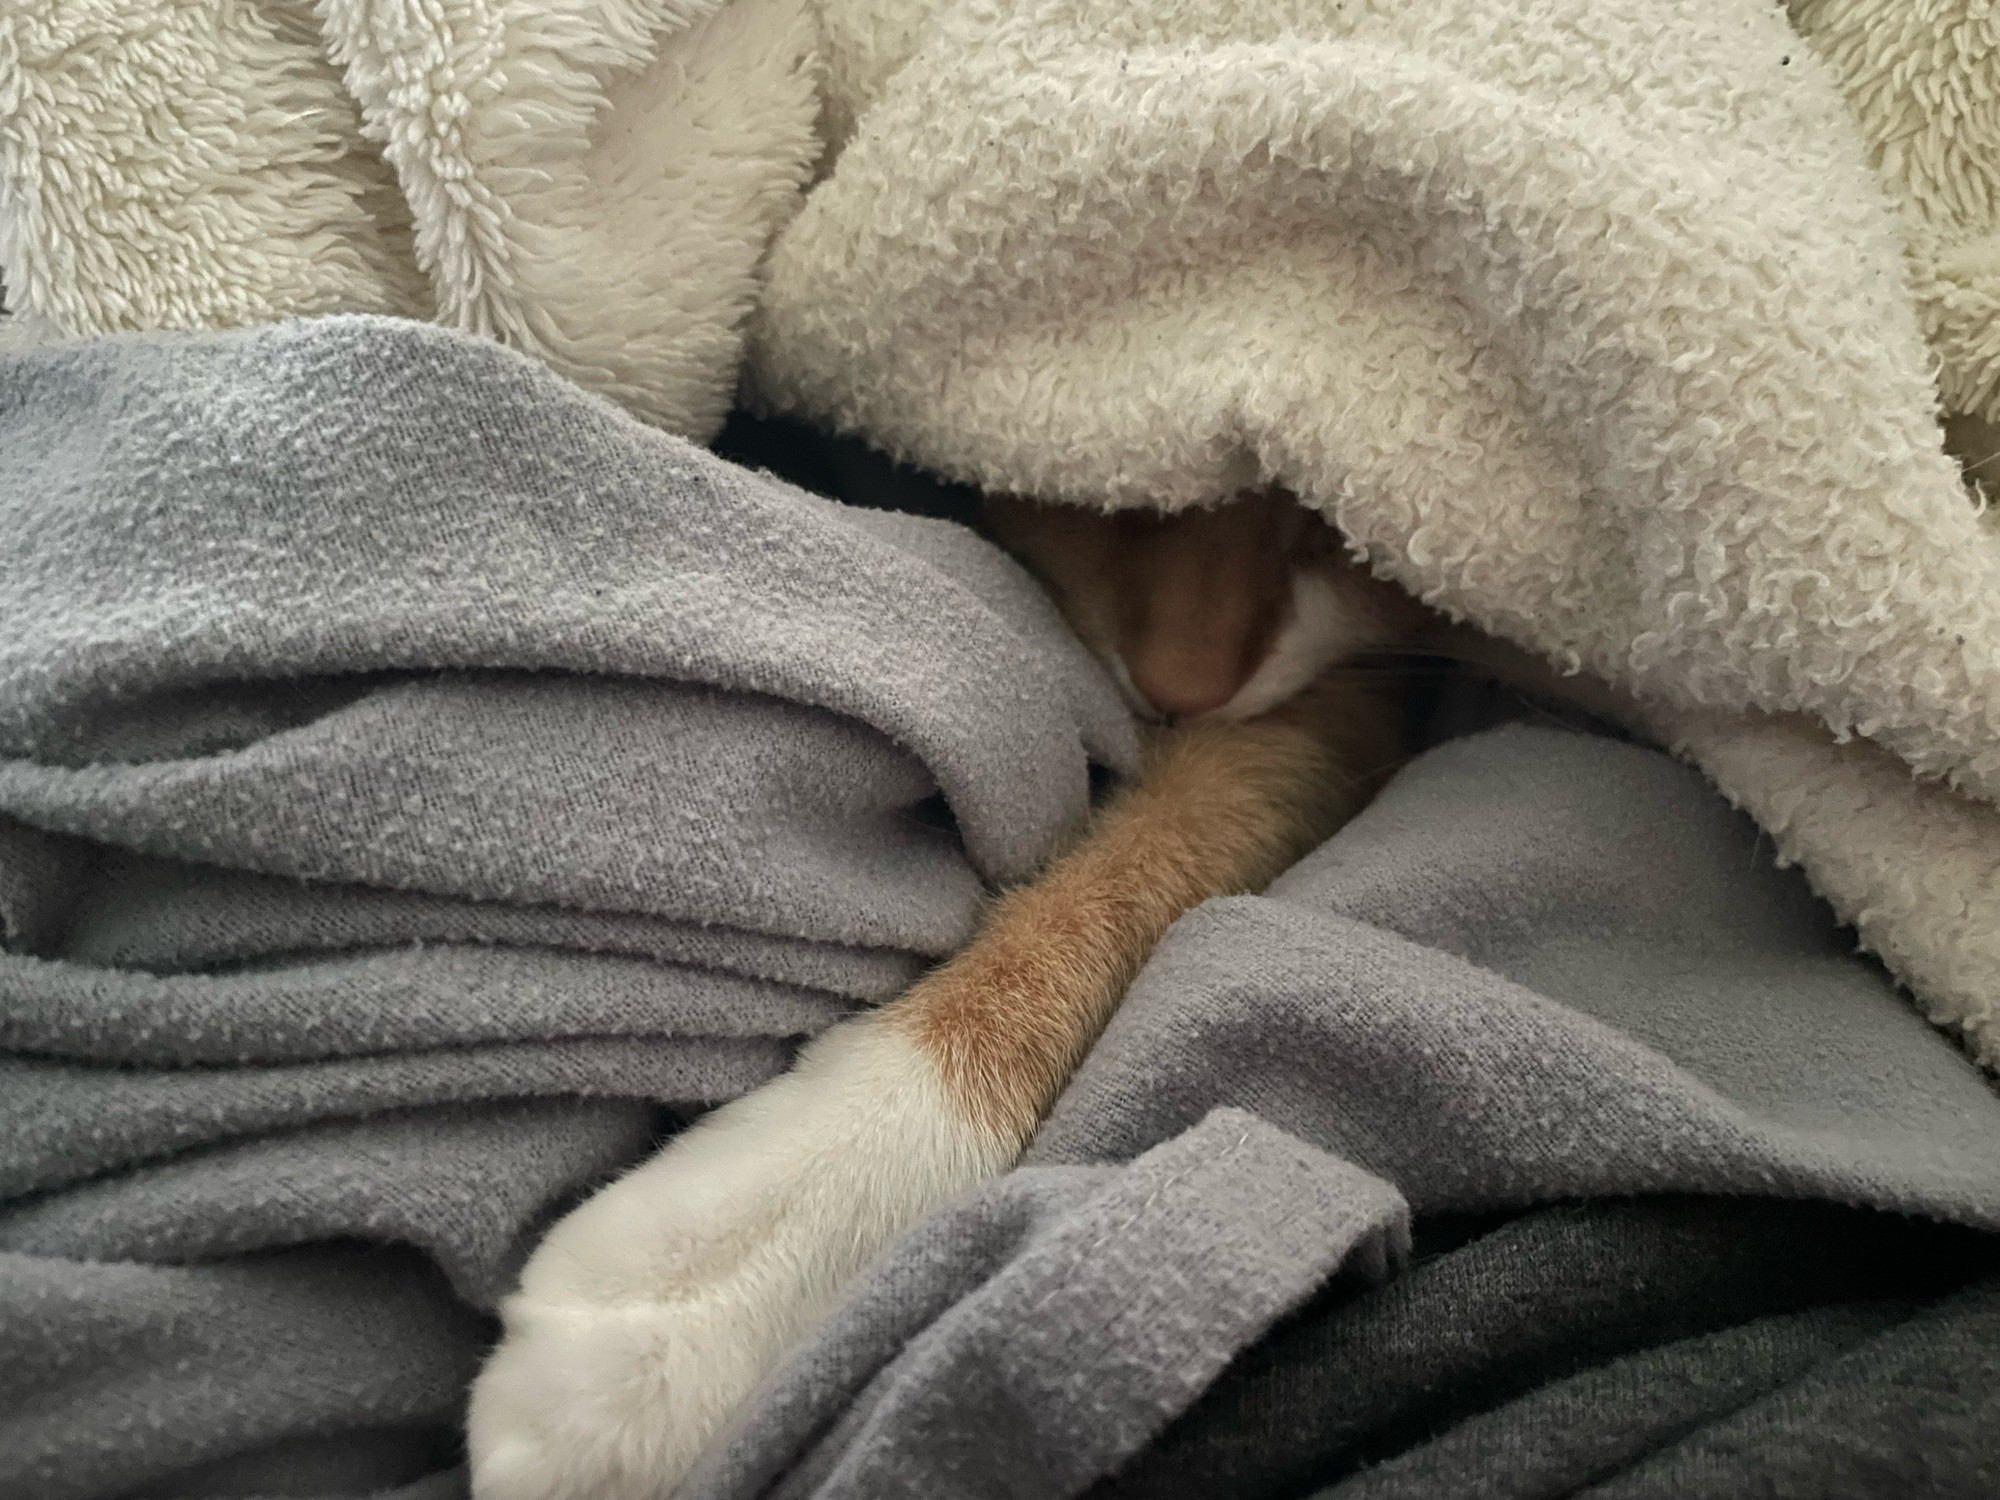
(1541, 966)
(1534, 1357)
(415, 776)
(1877, 1399)
(419, 775)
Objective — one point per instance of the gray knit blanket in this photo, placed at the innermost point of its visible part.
(421, 785)
(417, 774)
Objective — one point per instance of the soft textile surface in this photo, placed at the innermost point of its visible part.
(1617, 326)
(667, 140)
(1481, 995)
(420, 779)
(415, 773)
(589, 181)
(1919, 77)
(1558, 1350)
(1586, 320)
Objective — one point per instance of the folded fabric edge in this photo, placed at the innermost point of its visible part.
(1913, 865)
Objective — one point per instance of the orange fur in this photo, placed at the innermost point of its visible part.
(651, 1310)
(1189, 604)
(1218, 809)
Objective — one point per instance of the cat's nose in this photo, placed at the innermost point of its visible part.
(1184, 685)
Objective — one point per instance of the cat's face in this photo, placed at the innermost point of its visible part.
(1220, 612)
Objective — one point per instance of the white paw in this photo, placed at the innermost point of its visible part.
(652, 1310)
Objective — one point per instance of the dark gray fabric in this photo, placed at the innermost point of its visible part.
(1910, 1412)
(1542, 966)
(1535, 1357)
(415, 776)
(1855, 1402)
(39, 877)
(1554, 1442)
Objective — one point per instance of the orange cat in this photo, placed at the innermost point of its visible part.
(1222, 622)
(1221, 612)
(652, 1310)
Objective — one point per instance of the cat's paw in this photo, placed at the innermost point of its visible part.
(652, 1310)
(609, 1402)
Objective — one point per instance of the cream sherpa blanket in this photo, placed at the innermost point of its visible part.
(1618, 327)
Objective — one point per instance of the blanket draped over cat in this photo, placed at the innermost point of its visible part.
(1621, 328)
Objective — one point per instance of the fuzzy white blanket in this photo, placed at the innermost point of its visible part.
(1617, 327)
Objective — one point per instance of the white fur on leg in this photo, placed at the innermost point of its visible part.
(653, 1309)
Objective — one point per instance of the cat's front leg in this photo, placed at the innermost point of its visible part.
(652, 1310)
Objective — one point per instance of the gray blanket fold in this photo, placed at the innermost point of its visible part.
(1558, 1348)
(1805, 1404)
(418, 784)
(415, 774)
(1908, 1411)
(120, 1373)
(1614, 990)
(1542, 966)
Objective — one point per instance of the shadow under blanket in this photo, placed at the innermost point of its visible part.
(423, 783)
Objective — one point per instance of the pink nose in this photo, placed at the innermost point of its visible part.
(1182, 685)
